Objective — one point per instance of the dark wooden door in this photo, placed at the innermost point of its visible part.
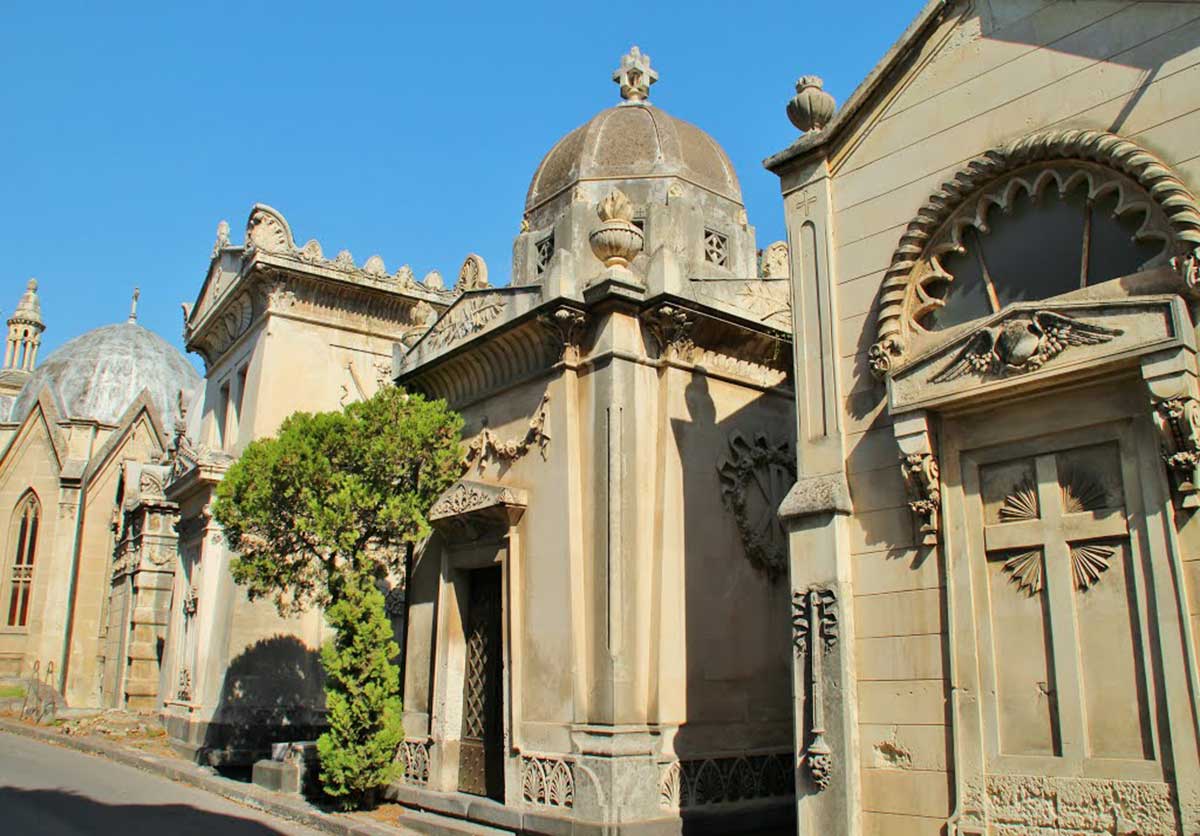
(481, 758)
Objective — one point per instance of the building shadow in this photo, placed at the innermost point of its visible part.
(46, 812)
(273, 692)
(736, 747)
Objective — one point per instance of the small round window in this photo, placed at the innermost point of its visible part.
(1034, 236)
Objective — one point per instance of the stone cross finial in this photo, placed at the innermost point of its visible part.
(133, 306)
(635, 76)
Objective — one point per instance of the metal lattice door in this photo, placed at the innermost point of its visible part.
(481, 758)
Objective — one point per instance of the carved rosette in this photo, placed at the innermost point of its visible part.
(1179, 423)
(925, 494)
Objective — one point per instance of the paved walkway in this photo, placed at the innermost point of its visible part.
(47, 790)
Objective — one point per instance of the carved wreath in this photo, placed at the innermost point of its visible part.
(754, 480)
(1172, 213)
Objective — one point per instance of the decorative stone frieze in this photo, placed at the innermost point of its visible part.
(709, 781)
(547, 781)
(754, 479)
(815, 633)
(415, 756)
(1179, 423)
(465, 497)
(468, 317)
(487, 446)
(921, 476)
(1078, 806)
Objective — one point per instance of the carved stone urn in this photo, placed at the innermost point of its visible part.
(811, 108)
(616, 241)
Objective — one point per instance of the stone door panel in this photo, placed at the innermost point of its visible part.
(1069, 706)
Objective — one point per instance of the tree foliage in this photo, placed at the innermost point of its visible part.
(316, 515)
(336, 493)
(362, 700)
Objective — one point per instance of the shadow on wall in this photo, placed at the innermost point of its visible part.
(54, 811)
(273, 692)
(735, 748)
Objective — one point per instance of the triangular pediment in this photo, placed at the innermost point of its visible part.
(1042, 343)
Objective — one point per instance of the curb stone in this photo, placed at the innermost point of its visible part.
(294, 810)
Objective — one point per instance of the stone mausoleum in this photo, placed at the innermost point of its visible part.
(887, 528)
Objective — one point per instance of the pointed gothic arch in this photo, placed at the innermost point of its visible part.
(23, 544)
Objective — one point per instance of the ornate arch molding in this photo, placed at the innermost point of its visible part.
(1168, 194)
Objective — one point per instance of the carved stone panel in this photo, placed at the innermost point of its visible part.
(755, 477)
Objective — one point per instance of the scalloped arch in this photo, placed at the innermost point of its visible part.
(1166, 190)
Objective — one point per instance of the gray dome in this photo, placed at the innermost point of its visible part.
(97, 375)
(631, 141)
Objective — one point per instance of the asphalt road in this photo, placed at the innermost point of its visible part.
(46, 790)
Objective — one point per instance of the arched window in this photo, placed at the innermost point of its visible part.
(1051, 214)
(1035, 235)
(25, 530)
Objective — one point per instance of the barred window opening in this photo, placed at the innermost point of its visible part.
(21, 575)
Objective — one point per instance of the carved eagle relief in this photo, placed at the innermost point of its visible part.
(1022, 345)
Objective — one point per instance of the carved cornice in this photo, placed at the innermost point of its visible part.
(1165, 189)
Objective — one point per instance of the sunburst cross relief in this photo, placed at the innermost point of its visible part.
(1080, 493)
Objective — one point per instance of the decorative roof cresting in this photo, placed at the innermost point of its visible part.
(635, 76)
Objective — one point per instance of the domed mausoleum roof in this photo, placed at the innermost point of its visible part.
(634, 140)
(97, 375)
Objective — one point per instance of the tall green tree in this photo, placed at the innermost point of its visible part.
(316, 515)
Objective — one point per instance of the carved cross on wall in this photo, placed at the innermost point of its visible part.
(1048, 532)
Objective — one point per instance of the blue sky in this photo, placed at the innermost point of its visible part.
(407, 130)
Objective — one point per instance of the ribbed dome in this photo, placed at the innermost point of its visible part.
(631, 141)
(98, 374)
